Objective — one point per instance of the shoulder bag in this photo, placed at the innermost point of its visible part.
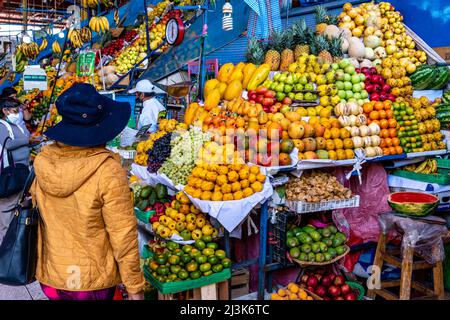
(18, 251)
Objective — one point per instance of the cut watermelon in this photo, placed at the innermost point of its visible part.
(413, 203)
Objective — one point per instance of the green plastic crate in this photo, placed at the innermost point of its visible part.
(179, 286)
(146, 252)
(438, 178)
(443, 163)
(143, 216)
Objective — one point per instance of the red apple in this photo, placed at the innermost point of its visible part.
(268, 102)
(326, 281)
(321, 291)
(273, 109)
(346, 289)
(339, 280)
(375, 97)
(252, 96)
(287, 101)
(373, 70)
(334, 291)
(365, 70)
(369, 88)
(350, 296)
(269, 94)
(312, 282)
(259, 99)
(386, 88)
(261, 90)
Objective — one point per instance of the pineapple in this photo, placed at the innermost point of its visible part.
(275, 46)
(321, 18)
(255, 52)
(287, 55)
(301, 34)
(335, 45)
(322, 46)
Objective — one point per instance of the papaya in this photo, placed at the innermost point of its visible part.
(212, 100)
(225, 72)
(258, 76)
(240, 66)
(209, 85)
(237, 74)
(248, 72)
(222, 87)
(234, 90)
(190, 113)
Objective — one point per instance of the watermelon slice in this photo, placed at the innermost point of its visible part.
(413, 203)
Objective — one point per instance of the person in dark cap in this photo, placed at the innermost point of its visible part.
(82, 192)
(10, 94)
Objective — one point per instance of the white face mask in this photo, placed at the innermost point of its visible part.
(15, 118)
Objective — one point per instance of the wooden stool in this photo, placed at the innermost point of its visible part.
(215, 291)
(407, 265)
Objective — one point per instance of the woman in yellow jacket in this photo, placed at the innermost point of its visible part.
(87, 234)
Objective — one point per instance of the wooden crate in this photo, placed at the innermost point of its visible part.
(240, 280)
(215, 291)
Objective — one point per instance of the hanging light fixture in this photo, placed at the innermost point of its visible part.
(227, 20)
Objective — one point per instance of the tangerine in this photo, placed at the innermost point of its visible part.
(384, 124)
(388, 142)
(386, 151)
(399, 149)
(392, 150)
(368, 108)
(374, 115)
(384, 133)
(382, 114)
(392, 133)
(378, 106)
(396, 142)
(389, 114)
(392, 123)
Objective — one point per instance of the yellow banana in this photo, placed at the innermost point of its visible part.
(43, 45)
(421, 167)
(105, 23)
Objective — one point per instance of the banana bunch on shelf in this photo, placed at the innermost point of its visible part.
(98, 24)
(428, 166)
(43, 45)
(56, 48)
(29, 50)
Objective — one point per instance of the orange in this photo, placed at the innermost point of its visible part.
(387, 104)
(309, 298)
(302, 294)
(281, 292)
(396, 142)
(392, 150)
(367, 107)
(293, 296)
(383, 144)
(399, 149)
(386, 151)
(274, 296)
(384, 133)
(374, 115)
(384, 124)
(382, 114)
(389, 114)
(293, 287)
(378, 106)
(392, 123)
(388, 142)
(392, 133)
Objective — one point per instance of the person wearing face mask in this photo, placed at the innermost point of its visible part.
(18, 145)
(9, 94)
(151, 108)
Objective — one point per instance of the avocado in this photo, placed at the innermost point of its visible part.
(161, 191)
(333, 229)
(311, 257)
(303, 256)
(327, 256)
(290, 234)
(340, 250)
(328, 242)
(323, 247)
(337, 241)
(296, 230)
(294, 253)
(292, 242)
(152, 198)
(332, 252)
(145, 192)
(303, 237)
(326, 232)
(320, 257)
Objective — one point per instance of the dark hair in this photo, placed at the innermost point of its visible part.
(7, 103)
(148, 94)
(8, 92)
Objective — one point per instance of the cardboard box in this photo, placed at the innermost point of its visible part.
(444, 52)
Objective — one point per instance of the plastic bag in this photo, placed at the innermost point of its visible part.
(425, 238)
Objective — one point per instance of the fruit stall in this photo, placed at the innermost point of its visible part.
(291, 165)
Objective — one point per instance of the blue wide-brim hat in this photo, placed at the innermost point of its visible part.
(88, 118)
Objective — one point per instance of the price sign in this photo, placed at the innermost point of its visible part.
(34, 77)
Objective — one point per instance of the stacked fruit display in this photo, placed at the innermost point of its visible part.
(311, 244)
(363, 135)
(147, 198)
(316, 186)
(381, 114)
(291, 292)
(117, 45)
(158, 154)
(185, 147)
(349, 83)
(164, 126)
(181, 217)
(418, 131)
(214, 180)
(327, 285)
(130, 56)
(394, 72)
(376, 85)
(290, 85)
(191, 262)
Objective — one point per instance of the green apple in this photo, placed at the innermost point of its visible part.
(339, 85)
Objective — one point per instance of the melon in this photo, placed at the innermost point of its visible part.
(413, 203)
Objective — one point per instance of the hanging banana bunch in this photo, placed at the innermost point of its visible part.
(56, 48)
(43, 45)
(75, 38)
(29, 50)
(98, 24)
(107, 3)
(93, 3)
(85, 34)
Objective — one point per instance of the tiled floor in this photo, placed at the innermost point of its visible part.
(29, 292)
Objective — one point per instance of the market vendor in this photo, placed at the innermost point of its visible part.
(151, 108)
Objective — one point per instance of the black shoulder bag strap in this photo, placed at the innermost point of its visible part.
(2, 153)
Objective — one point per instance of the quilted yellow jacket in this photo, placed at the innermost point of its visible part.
(88, 232)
